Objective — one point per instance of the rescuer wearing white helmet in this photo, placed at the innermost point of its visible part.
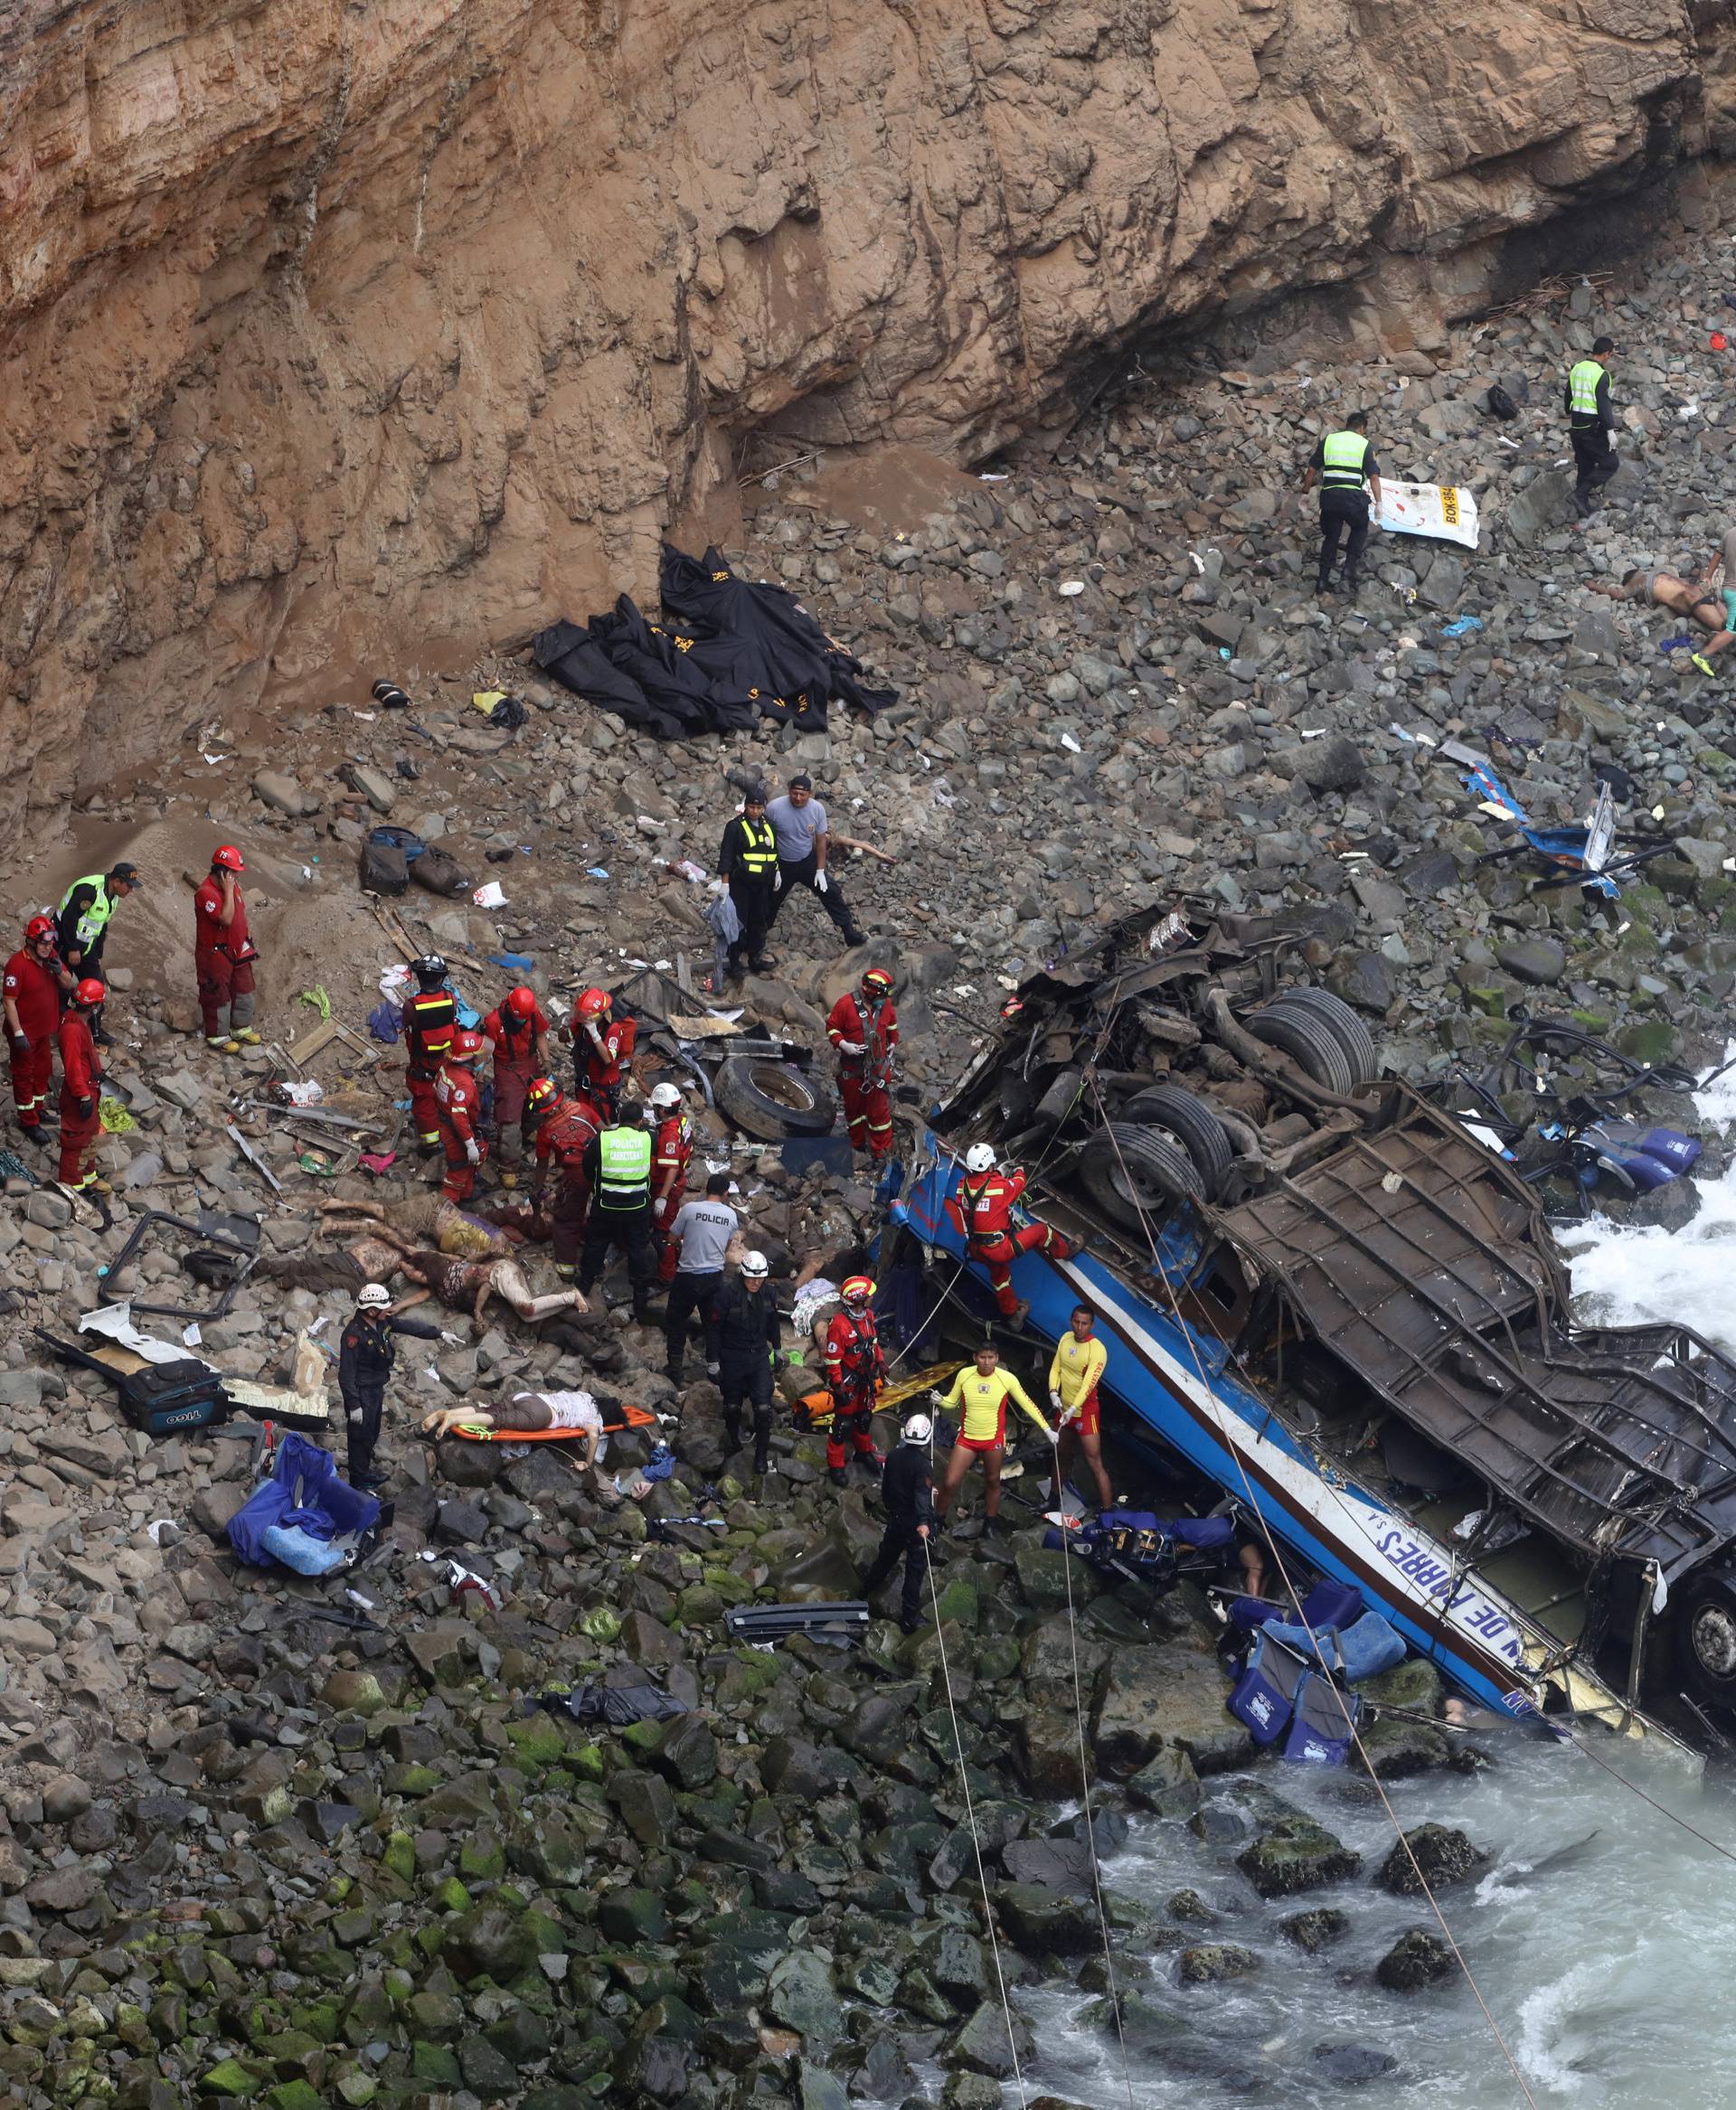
(907, 1491)
(982, 1208)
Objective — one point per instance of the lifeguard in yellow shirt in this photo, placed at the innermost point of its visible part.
(981, 1395)
(1074, 1376)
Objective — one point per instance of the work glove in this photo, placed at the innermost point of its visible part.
(448, 1337)
(713, 1370)
(86, 1109)
(660, 1208)
(821, 884)
(355, 1416)
(779, 1360)
(1054, 1434)
(851, 1048)
(21, 1043)
(1054, 1399)
(472, 1151)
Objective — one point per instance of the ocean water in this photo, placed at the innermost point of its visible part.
(1601, 1933)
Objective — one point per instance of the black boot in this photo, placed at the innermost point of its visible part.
(839, 1476)
(733, 1429)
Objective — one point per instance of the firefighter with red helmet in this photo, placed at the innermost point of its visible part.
(602, 1047)
(458, 1098)
(864, 1029)
(223, 955)
(81, 1088)
(428, 1020)
(518, 1033)
(855, 1363)
(982, 1206)
(565, 1129)
(672, 1153)
(34, 980)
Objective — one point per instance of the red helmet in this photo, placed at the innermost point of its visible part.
(464, 1045)
(39, 926)
(542, 1093)
(877, 982)
(522, 1002)
(856, 1289)
(227, 859)
(90, 991)
(593, 1004)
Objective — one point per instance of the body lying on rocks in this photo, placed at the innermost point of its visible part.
(432, 1219)
(462, 1284)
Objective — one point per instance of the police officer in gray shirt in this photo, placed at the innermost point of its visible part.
(798, 820)
(702, 1232)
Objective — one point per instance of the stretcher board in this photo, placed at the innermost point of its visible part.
(1445, 512)
(476, 1432)
(815, 1408)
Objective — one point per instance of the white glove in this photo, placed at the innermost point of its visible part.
(355, 1416)
(473, 1151)
(1054, 1434)
(659, 1207)
(713, 1368)
(446, 1336)
(821, 884)
(852, 1047)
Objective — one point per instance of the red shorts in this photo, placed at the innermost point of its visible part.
(1089, 1420)
(980, 1444)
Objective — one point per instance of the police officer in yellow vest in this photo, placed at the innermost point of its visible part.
(747, 861)
(1591, 422)
(81, 926)
(617, 1166)
(1344, 463)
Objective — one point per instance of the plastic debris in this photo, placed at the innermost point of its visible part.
(1461, 626)
(1717, 341)
(490, 895)
(1071, 744)
(377, 1161)
(304, 1091)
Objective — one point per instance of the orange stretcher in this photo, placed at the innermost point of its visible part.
(476, 1432)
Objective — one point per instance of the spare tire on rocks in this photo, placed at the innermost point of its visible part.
(769, 1100)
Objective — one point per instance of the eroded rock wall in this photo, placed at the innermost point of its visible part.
(339, 338)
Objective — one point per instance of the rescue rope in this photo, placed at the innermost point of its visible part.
(1633, 1787)
(1090, 1819)
(970, 1818)
(1233, 1449)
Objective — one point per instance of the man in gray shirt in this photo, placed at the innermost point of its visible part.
(798, 820)
(702, 1232)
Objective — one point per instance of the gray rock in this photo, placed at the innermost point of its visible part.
(375, 787)
(281, 793)
(1538, 960)
(1416, 1959)
(1332, 764)
(1296, 1854)
(1443, 1856)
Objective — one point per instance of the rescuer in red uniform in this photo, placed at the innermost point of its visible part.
(855, 1363)
(602, 1047)
(565, 1130)
(34, 979)
(517, 1031)
(671, 1154)
(81, 1089)
(982, 1208)
(459, 1102)
(864, 1029)
(429, 1020)
(223, 955)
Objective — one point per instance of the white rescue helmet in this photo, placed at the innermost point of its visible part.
(980, 1158)
(373, 1296)
(754, 1265)
(666, 1095)
(918, 1429)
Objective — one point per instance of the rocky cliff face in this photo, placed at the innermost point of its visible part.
(330, 331)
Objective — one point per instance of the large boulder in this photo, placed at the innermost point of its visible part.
(1168, 1697)
(1433, 1855)
(1296, 1854)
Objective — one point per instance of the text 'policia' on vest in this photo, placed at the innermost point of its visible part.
(625, 1162)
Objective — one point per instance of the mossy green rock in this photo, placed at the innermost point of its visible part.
(1296, 1854)
(435, 2064)
(230, 2081)
(489, 1941)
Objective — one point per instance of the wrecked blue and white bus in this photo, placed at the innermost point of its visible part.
(1324, 1296)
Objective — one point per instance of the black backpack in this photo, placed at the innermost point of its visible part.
(1501, 404)
(383, 868)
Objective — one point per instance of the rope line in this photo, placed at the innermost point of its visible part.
(1090, 1821)
(1233, 1449)
(1633, 1787)
(970, 1817)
